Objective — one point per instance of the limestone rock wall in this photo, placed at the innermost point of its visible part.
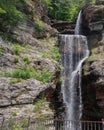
(93, 68)
(20, 48)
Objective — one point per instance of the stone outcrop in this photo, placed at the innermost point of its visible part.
(27, 34)
(24, 92)
(92, 19)
(93, 68)
(20, 95)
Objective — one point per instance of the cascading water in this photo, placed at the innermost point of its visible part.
(78, 24)
(74, 50)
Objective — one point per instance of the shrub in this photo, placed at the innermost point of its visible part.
(40, 105)
(39, 25)
(17, 49)
(16, 59)
(52, 54)
(16, 125)
(26, 59)
(23, 73)
(44, 75)
(13, 113)
(29, 72)
(1, 51)
(24, 123)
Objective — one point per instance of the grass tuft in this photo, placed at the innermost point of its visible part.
(29, 72)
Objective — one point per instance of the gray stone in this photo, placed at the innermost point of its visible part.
(96, 26)
(20, 93)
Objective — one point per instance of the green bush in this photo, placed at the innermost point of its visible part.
(13, 113)
(52, 54)
(39, 25)
(40, 105)
(24, 123)
(1, 51)
(23, 73)
(26, 59)
(16, 125)
(16, 59)
(17, 49)
(29, 72)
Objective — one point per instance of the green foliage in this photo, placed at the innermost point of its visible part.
(95, 55)
(23, 73)
(40, 127)
(1, 51)
(17, 49)
(66, 10)
(55, 54)
(2, 11)
(39, 25)
(16, 59)
(29, 72)
(45, 2)
(16, 125)
(14, 81)
(63, 10)
(9, 12)
(40, 105)
(13, 113)
(24, 123)
(48, 2)
(27, 60)
(52, 54)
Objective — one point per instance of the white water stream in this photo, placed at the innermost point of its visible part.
(74, 50)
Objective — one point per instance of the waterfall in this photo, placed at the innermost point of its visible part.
(74, 50)
(78, 24)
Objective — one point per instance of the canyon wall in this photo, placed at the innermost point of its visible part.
(31, 49)
(93, 68)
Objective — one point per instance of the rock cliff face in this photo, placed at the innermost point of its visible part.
(93, 68)
(22, 52)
